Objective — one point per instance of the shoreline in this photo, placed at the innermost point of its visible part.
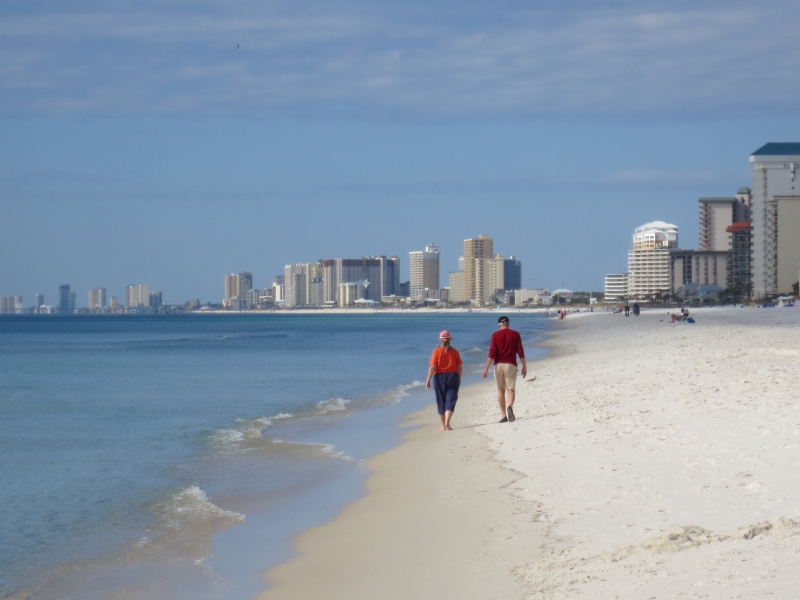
(628, 473)
(370, 548)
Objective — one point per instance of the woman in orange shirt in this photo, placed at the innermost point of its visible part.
(445, 369)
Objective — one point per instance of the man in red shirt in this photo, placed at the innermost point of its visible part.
(506, 345)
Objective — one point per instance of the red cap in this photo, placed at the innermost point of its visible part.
(445, 335)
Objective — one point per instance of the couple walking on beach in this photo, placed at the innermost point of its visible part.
(445, 370)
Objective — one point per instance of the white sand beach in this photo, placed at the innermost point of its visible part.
(648, 460)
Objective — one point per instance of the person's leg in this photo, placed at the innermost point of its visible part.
(448, 414)
(438, 387)
(444, 419)
(450, 399)
(501, 401)
(511, 397)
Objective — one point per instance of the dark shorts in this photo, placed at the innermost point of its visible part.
(446, 387)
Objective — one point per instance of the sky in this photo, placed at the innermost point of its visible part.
(170, 143)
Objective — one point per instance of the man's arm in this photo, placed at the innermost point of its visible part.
(486, 368)
(524, 367)
(521, 353)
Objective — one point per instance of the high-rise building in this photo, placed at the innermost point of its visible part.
(137, 295)
(295, 282)
(424, 269)
(97, 298)
(351, 291)
(740, 270)
(63, 299)
(616, 287)
(703, 267)
(71, 306)
(237, 289)
(512, 274)
(39, 300)
(156, 299)
(6, 305)
(774, 251)
(114, 302)
(381, 273)
(475, 248)
(719, 213)
(457, 292)
(649, 264)
(390, 276)
(279, 289)
(489, 278)
(314, 293)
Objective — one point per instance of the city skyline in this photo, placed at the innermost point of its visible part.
(559, 127)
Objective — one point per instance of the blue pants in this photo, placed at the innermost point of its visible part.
(446, 387)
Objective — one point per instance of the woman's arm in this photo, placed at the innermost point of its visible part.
(431, 370)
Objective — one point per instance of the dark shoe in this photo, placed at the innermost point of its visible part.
(504, 420)
(511, 417)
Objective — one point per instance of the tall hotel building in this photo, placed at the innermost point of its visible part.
(237, 289)
(649, 265)
(63, 299)
(138, 295)
(97, 298)
(477, 248)
(381, 274)
(424, 270)
(776, 218)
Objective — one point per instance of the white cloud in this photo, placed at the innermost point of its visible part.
(420, 61)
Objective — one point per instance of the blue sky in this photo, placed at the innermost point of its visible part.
(139, 145)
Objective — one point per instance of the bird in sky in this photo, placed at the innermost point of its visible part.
(237, 46)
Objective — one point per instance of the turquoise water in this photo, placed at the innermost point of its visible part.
(133, 449)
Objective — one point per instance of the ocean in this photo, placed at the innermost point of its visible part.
(176, 456)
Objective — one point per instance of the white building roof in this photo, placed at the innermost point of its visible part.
(658, 225)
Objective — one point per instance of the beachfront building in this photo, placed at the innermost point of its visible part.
(616, 287)
(237, 290)
(63, 299)
(719, 213)
(10, 305)
(740, 271)
(649, 272)
(279, 289)
(294, 277)
(97, 298)
(774, 218)
(457, 291)
(137, 295)
(512, 274)
(350, 292)
(489, 279)
(702, 267)
(156, 299)
(424, 266)
(533, 297)
(481, 247)
(382, 273)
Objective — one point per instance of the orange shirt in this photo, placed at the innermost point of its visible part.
(445, 362)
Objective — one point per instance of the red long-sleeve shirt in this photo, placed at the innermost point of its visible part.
(506, 344)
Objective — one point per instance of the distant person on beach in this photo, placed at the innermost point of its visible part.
(627, 310)
(635, 309)
(445, 369)
(684, 315)
(506, 345)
